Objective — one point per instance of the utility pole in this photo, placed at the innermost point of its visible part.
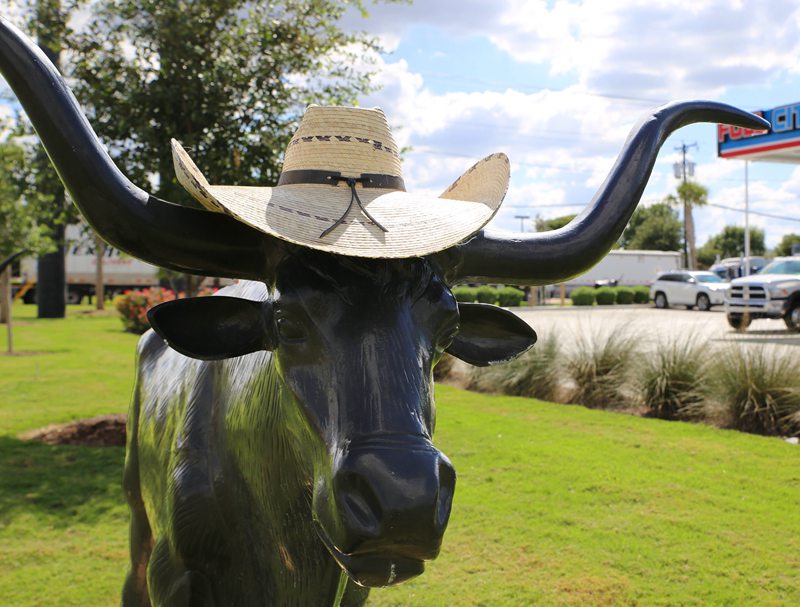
(522, 219)
(683, 170)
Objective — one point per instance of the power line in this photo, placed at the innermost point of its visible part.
(761, 213)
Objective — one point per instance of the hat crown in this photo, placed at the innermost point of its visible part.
(348, 140)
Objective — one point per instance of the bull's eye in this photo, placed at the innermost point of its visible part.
(290, 331)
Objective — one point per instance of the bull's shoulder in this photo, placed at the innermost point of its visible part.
(150, 344)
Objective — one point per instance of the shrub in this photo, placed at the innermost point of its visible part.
(624, 295)
(600, 367)
(509, 297)
(133, 306)
(465, 294)
(535, 374)
(673, 380)
(486, 294)
(641, 295)
(605, 296)
(760, 389)
(582, 296)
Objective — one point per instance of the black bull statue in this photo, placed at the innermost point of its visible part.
(288, 459)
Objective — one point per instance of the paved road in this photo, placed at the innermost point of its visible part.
(652, 325)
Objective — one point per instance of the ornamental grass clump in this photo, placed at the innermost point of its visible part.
(534, 374)
(600, 369)
(673, 380)
(760, 390)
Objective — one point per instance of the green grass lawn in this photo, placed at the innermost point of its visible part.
(555, 504)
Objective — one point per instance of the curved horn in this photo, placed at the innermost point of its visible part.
(127, 217)
(557, 255)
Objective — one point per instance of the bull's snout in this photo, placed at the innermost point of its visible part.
(392, 498)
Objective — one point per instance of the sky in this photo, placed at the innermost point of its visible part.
(558, 84)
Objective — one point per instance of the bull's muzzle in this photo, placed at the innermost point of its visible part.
(390, 503)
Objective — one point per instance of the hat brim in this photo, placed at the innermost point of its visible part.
(416, 225)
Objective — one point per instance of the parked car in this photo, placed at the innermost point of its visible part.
(688, 288)
(734, 267)
(773, 293)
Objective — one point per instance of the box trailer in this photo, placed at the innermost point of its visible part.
(629, 268)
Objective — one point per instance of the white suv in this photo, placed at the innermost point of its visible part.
(688, 288)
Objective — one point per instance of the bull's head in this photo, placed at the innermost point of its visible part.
(355, 342)
(362, 373)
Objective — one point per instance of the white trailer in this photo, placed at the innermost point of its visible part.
(629, 268)
(120, 272)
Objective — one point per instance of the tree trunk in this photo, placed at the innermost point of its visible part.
(5, 294)
(5, 308)
(691, 253)
(51, 287)
(99, 287)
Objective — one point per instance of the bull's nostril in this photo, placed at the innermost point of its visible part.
(444, 499)
(360, 506)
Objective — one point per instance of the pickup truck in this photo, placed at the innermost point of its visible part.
(772, 293)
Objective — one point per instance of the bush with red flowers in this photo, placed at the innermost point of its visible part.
(133, 305)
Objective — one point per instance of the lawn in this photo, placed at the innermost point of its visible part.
(555, 504)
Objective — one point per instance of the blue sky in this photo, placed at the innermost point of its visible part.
(557, 85)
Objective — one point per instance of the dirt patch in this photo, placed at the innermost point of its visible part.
(100, 431)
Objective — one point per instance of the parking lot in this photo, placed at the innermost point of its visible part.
(652, 326)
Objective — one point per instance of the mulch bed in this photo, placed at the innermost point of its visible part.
(100, 431)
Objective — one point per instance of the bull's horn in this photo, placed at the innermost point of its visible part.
(126, 216)
(557, 255)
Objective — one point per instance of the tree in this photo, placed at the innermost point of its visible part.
(692, 195)
(785, 245)
(655, 228)
(544, 225)
(228, 78)
(19, 230)
(730, 243)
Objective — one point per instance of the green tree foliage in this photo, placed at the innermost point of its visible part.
(653, 228)
(228, 78)
(544, 225)
(19, 225)
(730, 243)
(785, 245)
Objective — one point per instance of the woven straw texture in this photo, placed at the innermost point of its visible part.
(353, 141)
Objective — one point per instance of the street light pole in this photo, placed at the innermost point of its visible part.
(522, 219)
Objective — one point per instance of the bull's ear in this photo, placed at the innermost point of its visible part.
(213, 328)
(489, 335)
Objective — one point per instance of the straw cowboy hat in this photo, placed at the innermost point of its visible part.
(341, 191)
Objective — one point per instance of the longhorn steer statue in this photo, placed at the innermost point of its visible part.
(279, 448)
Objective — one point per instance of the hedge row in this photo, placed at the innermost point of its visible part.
(606, 296)
(506, 297)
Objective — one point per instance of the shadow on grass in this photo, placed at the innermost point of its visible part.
(65, 484)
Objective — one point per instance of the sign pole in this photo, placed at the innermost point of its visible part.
(746, 219)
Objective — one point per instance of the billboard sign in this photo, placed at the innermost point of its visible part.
(780, 144)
